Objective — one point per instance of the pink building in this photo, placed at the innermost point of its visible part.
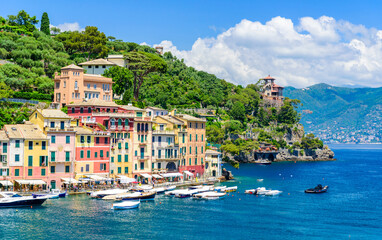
(73, 85)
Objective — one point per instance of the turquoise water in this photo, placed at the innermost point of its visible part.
(352, 209)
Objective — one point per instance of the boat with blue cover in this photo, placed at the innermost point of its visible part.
(12, 199)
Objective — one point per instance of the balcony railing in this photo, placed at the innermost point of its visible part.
(113, 127)
(113, 114)
(165, 132)
(88, 120)
(58, 129)
(120, 127)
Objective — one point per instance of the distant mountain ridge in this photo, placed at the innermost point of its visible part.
(339, 111)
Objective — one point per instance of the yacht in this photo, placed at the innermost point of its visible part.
(12, 199)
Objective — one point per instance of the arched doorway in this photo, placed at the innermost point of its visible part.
(171, 166)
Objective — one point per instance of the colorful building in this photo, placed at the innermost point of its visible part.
(4, 155)
(213, 164)
(73, 85)
(15, 151)
(56, 125)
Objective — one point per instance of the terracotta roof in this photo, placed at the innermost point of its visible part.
(156, 108)
(269, 78)
(3, 136)
(212, 152)
(53, 113)
(82, 130)
(276, 86)
(25, 131)
(97, 78)
(99, 61)
(171, 119)
(94, 102)
(72, 66)
(189, 118)
(131, 108)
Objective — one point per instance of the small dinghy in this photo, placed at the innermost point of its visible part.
(126, 205)
(318, 189)
(231, 189)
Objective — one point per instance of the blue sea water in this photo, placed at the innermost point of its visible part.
(351, 209)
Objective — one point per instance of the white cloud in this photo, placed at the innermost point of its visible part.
(69, 27)
(302, 54)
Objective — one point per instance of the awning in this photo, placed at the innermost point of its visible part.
(69, 180)
(171, 174)
(31, 182)
(145, 175)
(157, 176)
(6, 183)
(124, 179)
(97, 178)
(188, 173)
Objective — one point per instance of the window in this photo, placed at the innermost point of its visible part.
(67, 156)
(81, 110)
(95, 154)
(52, 169)
(87, 168)
(5, 145)
(196, 150)
(107, 154)
(202, 149)
(189, 125)
(126, 145)
(89, 139)
(88, 84)
(30, 172)
(153, 153)
(95, 85)
(119, 170)
(82, 153)
(88, 154)
(67, 169)
(136, 153)
(42, 171)
(136, 167)
(30, 145)
(201, 160)
(196, 125)
(52, 156)
(67, 139)
(190, 150)
(159, 153)
(102, 166)
(189, 160)
(75, 85)
(17, 172)
(73, 110)
(183, 138)
(43, 145)
(159, 139)
(202, 137)
(196, 137)
(112, 159)
(82, 139)
(139, 114)
(17, 158)
(190, 137)
(159, 165)
(97, 140)
(17, 144)
(153, 139)
(89, 110)
(119, 145)
(142, 165)
(119, 158)
(106, 141)
(126, 170)
(126, 158)
(30, 161)
(52, 124)
(196, 161)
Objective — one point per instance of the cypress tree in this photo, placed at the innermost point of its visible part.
(45, 28)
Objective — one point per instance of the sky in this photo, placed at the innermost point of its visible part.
(300, 43)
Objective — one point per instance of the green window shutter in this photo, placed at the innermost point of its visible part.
(67, 169)
(119, 169)
(52, 156)
(67, 139)
(126, 169)
(136, 167)
(119, 146)
(190, 150)
(201, 160)
(95, 154)
(202, 149)
(30, 161)
(67, 156)
(190, 137)
(30, 172)
(17, 172)
(41, 160)
(107, 153)
(119, 158)
(88, 154)
(196, 161)
(101, 153)
(52, 169)
(202, 137)
(196, 137)
(82, 153)
(196, 150)
(136, 153)
(126, 158)
(7, 171)
(42, 171)
(190, 161)
(112, 159)
(126, 145)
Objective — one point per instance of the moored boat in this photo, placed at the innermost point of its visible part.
(101, 194)
(272, 192)
(220, 188)
(12, 199)
(209, 195)
(186, 193)
(231, 189)
(173, 192)
(263, 162)
(318, 189)
(126, 205)
(137, 196)
(159, 190)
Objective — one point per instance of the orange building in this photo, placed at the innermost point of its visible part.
(73, 85)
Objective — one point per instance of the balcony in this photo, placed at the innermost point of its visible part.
(168, 159)
(113, 114)
(88, 120)
(120, 128)
(57, 129)
(164, 132)
(76, 88)
(113, 127)
(127, 128)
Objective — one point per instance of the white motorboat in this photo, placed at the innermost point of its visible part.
(231, 189)
(12, 199)
(186, 193)
(196, 187)
(220, 188)
(209, 195)
(143, 188)
(272, 193)
(260, 180)
(159, 190)
(126, 205)
(101, 194)
(173, 192)
(169, 188)
(258, 191)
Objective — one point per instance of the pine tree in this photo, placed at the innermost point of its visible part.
(45, 28)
